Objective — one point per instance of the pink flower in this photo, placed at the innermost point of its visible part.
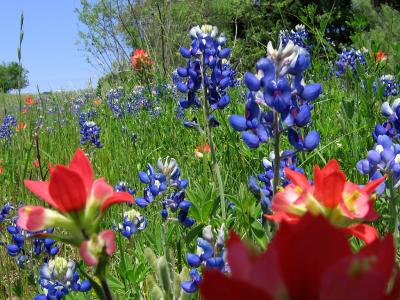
(92, 249)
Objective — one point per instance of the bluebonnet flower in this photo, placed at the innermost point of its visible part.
(278, 86)
(384, 158)
(390, 84)
(206, 57)
(5, 211)
(89, 130)
(176, 203)
(59, 277)
(123, 186)
(299, 36)
(6, 128)
(158, 183)
(132, 222)
(349, 59)
(16, 243)
(264, 191)
(168, 175)
(210, 254)
(18, 247)
(114, 101)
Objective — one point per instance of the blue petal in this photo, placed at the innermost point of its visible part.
(224, 53)
(183, 88)
(189, 286)
(143, 177)
(141, 202)
(373, 157)
(304, 116)
(311, 141)
(185, 52)
(251, 140)
(238, 122)
(311, 91)
(193, 260)
(252, 82)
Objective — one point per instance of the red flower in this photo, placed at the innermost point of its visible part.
(204, 148)
(29, 100)
(381, 56)
(140, 59)
(308, 260)
(73, 189)
(344, 203)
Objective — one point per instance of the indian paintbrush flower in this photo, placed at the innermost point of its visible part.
(328, 269)
(79, 203)
(342, 202)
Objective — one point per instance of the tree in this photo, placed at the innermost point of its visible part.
(9, 76)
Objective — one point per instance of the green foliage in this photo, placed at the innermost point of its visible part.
(9, 76)
(378, 30)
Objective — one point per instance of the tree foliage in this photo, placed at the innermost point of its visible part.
(9, 76)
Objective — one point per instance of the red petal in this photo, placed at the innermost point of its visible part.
(385, 251)
(363, 231)
(239, 257)
(216, 286)
(371, 186)
(41, 189)
(67, 189)
(329, 184)
(117, 197)
(297, 178)
(305, 251)
(280, 216)
(365, 275)
(81, 164)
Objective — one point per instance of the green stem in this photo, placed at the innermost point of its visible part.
(206, 113)
(277, 155)
(394, 221)
(106, 289)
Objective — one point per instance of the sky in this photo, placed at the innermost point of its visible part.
(49, 49)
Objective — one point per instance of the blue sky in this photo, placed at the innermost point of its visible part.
(49, 50)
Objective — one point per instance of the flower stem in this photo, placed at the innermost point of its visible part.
(277, 157)
(106, 289)
(394, 221)
(206, 112)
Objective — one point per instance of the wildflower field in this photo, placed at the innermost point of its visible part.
(212, 180)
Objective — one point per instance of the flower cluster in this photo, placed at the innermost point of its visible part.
(114, 102)
(140, 60)
(123, 186)
(207, 63)
(5, 211)
(384, 157)
(210, 255)
(6, 127)
(308, 260)
(278, 87)
(264, 192)
(58, 278)
(89, 130)
(159, 183)
(349, 59)
(342, 202)
(131, 223)
(392, 87)
(80, 202)
(176, 202)
(298, 36)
